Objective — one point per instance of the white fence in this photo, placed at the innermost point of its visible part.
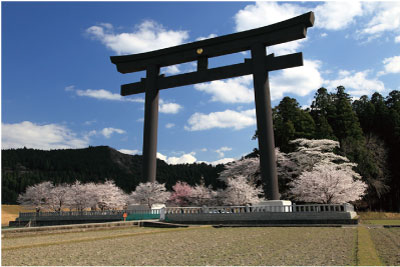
(241, 209)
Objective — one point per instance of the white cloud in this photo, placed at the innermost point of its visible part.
(224, 119)
(386, 17)
(266, 13)
(212, 35)
(70, 88)
(299, 81)
(107, 132)
(147, 36)
(392, 64)
(169, 125)
(397, 39)
(221, 151)
(174, 69)
(337, 15)
(356, 83)
(102, 95)
(236, 90)
(47, 136)
(129, 151)
(185, 158)
(221, 161)
(169, 108)
(324, 34)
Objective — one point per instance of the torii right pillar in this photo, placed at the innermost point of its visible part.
(266, 141)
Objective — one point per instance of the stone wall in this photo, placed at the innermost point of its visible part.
(264, 218)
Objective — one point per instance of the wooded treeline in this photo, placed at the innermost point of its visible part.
(368, 130)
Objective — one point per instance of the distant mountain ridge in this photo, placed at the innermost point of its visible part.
(24, 167)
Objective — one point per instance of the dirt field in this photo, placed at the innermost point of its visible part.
(387, 243)
(193, 246)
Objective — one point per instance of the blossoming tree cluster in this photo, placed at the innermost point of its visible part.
(312, 173)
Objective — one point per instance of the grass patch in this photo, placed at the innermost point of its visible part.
(381, 222)
(197, 246)
(373, 215)
(11, 212)
(366, 253)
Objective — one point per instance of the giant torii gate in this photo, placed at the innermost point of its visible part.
(259, 65)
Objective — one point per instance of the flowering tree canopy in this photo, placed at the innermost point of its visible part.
(82, 196)
(240, 191)
(149, 193)
(181, 194)
(202, 195)
(328, 183)
(109, 196)
(59, 197)
(36, 196)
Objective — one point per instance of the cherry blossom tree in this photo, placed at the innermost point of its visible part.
(202, 195)
(328, 183)
(36, 196)
(181, 194)
(149, 193)
(83, 196)
(240, 191)
(108, 196)
(59, 197)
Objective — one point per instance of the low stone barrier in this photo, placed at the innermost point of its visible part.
(293, 214)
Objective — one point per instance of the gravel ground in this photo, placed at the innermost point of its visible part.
(196, 246)
(387, 244)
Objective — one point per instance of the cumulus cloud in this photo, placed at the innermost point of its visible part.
(397, 39)
(265, 13)
(221, 151)
(46, 136)
(392, 64)
(164, 107)
(185, 158)
(129, 151)
(299, 81)
(356, 83)
(106, 132)
(102, 94)
(235, 90)
(174, 69)
(169, 107)
(147, 36)
(169, 125)
(224, 119)
(337, 15)
(221, 161)
(386, 17)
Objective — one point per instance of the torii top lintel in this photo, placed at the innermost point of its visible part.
(281, 32)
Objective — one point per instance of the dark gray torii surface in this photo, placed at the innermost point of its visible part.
(259, 65)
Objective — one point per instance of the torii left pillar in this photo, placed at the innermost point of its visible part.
(150, 124)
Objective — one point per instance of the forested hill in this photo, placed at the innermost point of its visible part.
(24, 167)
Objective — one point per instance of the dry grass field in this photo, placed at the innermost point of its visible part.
(387, 243)
(187, 246)
(10, 212)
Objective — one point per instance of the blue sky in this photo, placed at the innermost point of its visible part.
(60, 90)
